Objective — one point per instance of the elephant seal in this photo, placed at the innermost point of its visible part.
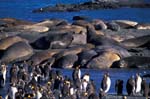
(103, 60)
(126, 23)
(143, 26)
(40, 43)
(14, 22)
(6, 42)
(99, 24)
(58, 41)
(53, 41)
(132, 62)
(69, 29)
(17, 51)
(85, 56)
(136, 42)
(82, 23)
(41, 56)
(113, 26)
(73, 50)
(99, 39)
(66, 61)
(50, 22)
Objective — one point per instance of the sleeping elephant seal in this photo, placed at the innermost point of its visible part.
(85, 56)
(143, 26)
(126, 23)
(14, 22)
(66, 61)
(99, 24)
(6, 42)
(41, 56)
(59, 41)
(99, 40)
(103, 60)
(17, 52)
(132, 62)
(136, 42)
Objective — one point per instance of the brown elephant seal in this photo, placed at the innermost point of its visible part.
(143, 26)
(113, 26)
(99, 39)
(85, 56)
(103, 60)
(136, 42)
(99, 24)
(29, 28)
(6, 42)
(82, 23)
(14, 22)
(41, 56)
(17, 51)
(66, 61)
(126, 23)
(69, 28)
(132, 62)
(50, 22)
(74, 50)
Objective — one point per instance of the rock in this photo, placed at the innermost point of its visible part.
(17, 52)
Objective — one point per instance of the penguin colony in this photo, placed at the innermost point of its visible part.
(43, 82)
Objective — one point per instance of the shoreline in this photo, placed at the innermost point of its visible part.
(95, 5)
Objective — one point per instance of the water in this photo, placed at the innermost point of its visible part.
(22, 9)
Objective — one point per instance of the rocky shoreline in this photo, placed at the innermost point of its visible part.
(91, 5)
(95, 44)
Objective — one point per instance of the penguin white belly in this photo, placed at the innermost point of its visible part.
(108, 84)
(138, 83)
(13, 91)
(86, 77)
(4, 76)
(39, 95)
